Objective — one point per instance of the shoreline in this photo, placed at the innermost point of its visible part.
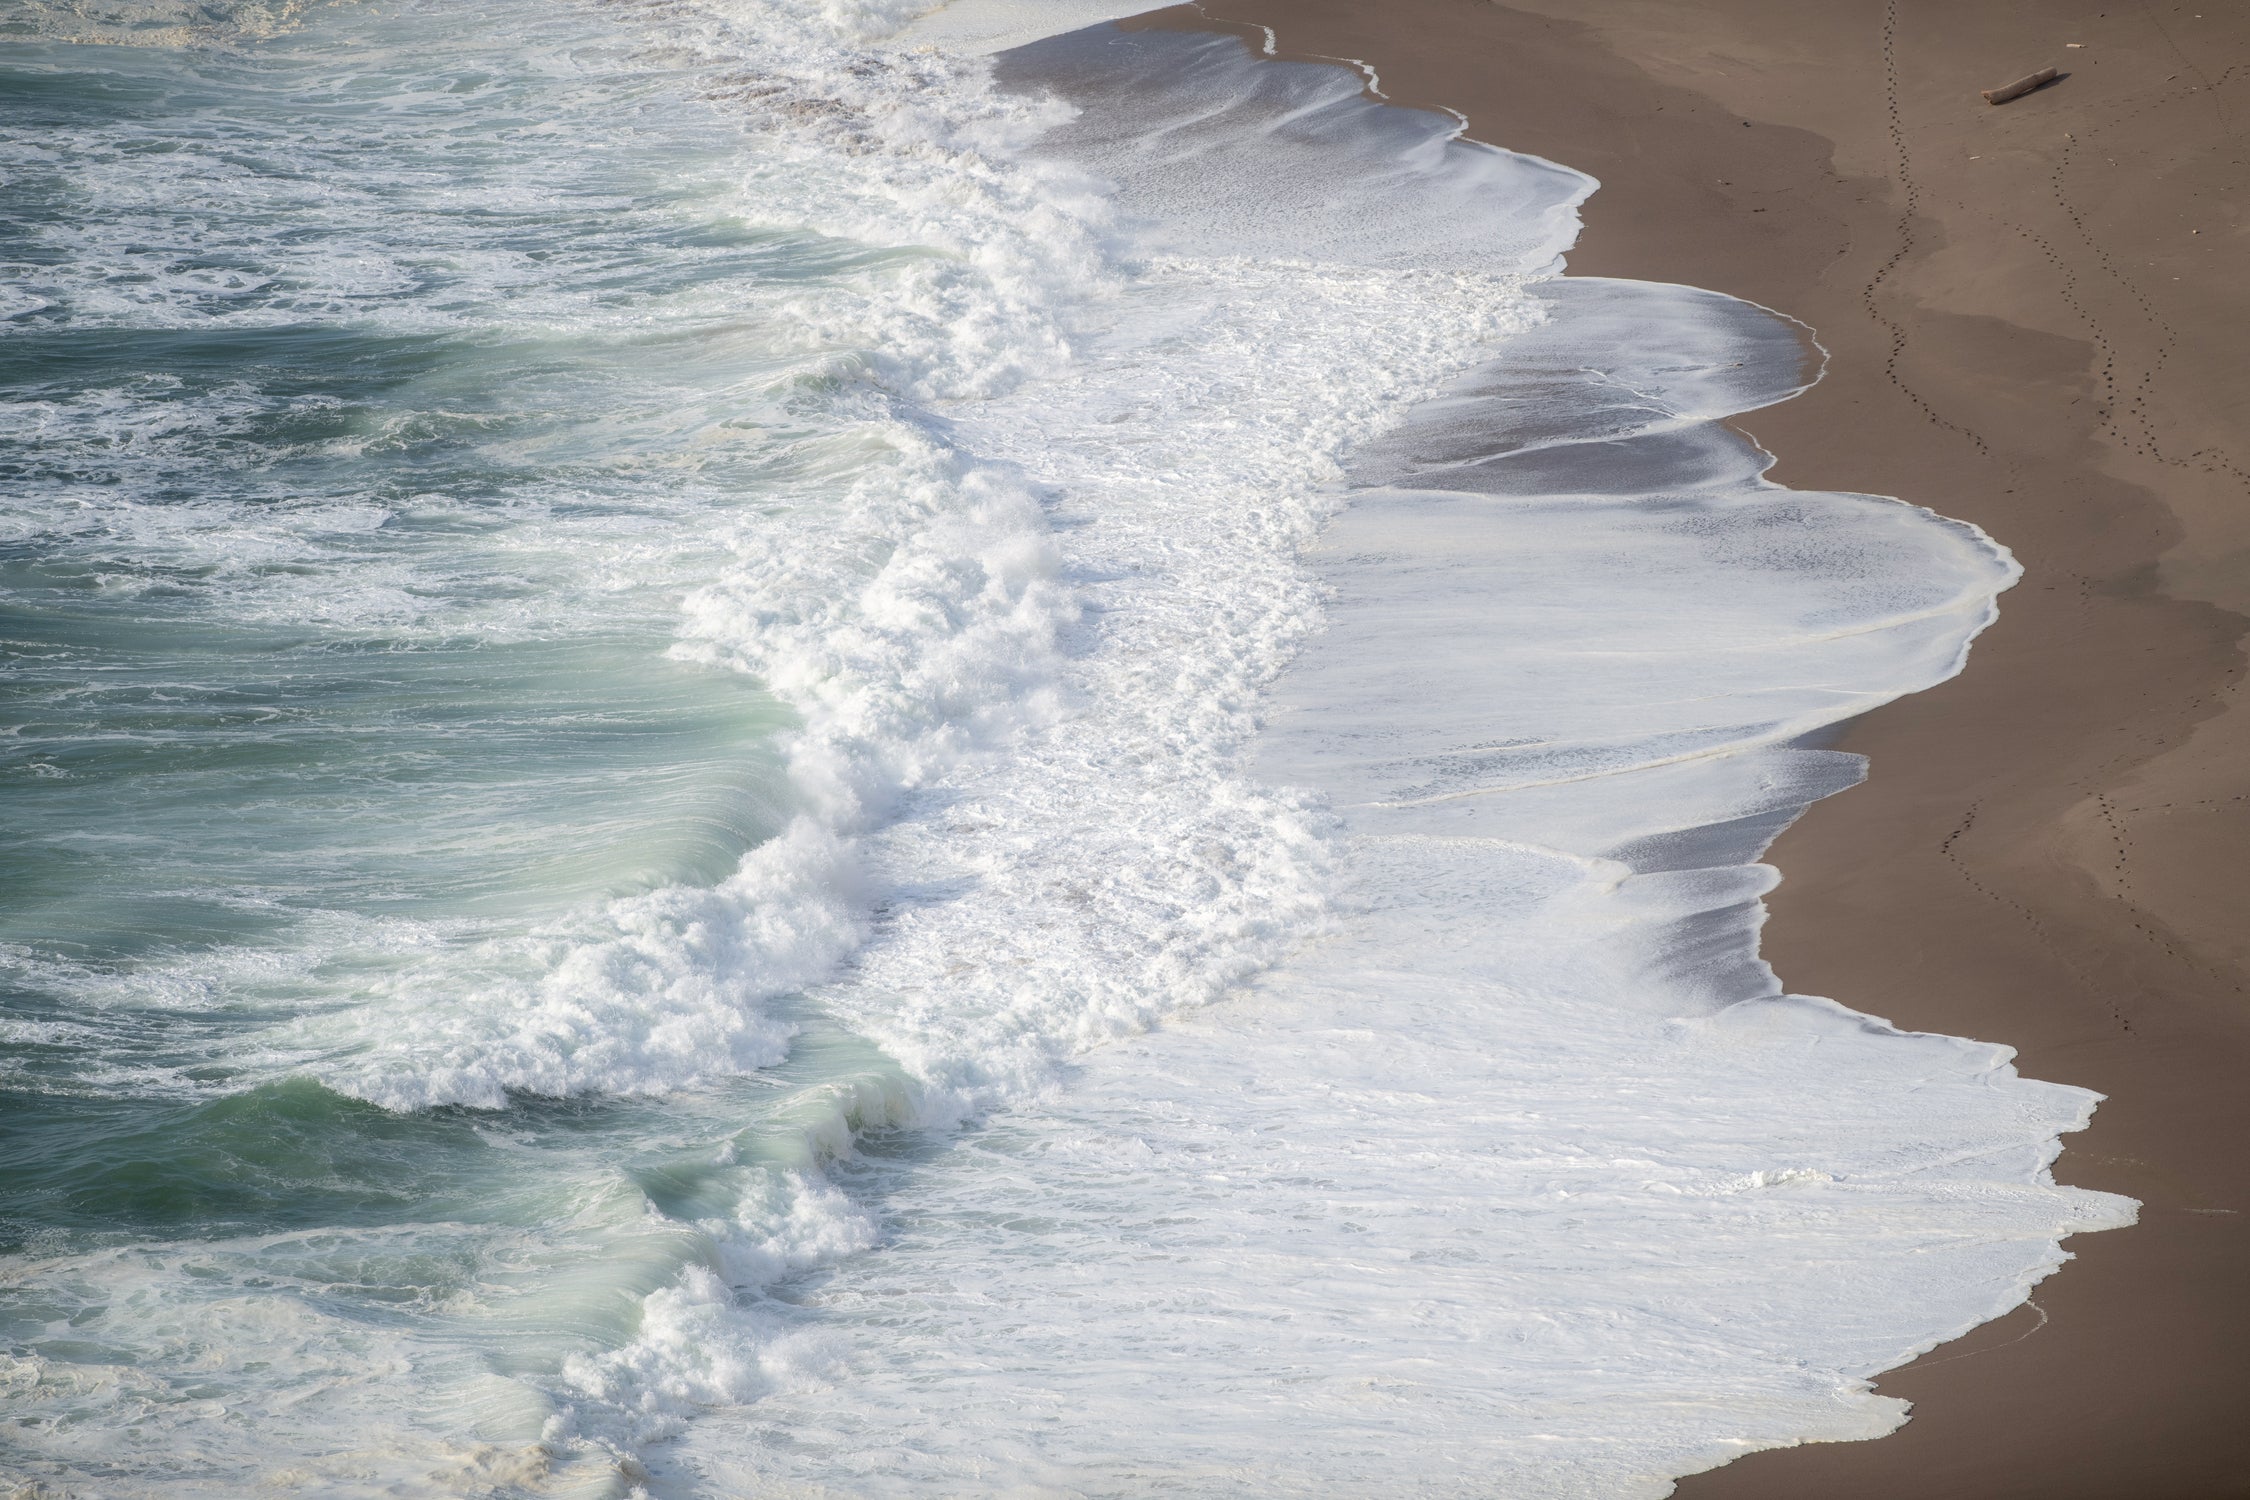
(2028, 324)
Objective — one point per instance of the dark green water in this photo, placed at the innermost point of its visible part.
(373, 391)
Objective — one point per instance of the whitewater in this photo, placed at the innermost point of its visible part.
(762, 748)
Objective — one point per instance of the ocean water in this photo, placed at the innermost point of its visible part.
(749, 756)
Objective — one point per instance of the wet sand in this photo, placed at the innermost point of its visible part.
(2039, 316)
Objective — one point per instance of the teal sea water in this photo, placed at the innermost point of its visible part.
(691, 810)
(375, 389)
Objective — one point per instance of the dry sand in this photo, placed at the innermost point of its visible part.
(2040, 321)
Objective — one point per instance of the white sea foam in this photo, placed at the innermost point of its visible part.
(988, 26)
(1525, 1179)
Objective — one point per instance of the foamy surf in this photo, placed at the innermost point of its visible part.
(1044, 563)
(1523, 1178)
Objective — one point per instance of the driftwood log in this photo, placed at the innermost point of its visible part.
(2019, 88)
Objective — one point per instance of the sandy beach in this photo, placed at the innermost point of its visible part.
(2036, 320)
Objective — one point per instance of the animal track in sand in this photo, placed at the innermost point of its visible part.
(2039, 927)
(2143, 437)
(2128, 415)
(2132, 423)
(2149, 930)
(2125, 408)
(1912, 191)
